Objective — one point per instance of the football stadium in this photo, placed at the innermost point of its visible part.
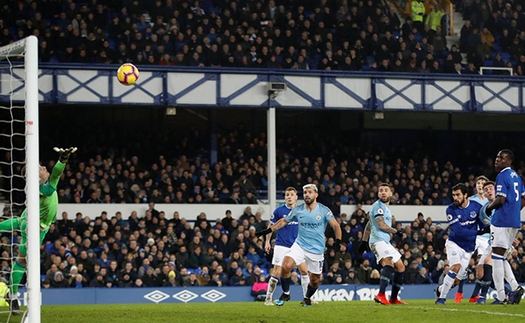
(262, 161)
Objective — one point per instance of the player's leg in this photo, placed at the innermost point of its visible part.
(482, 245)
(500, 244)
(286, 277)
(305, 277)
(19, 266)
(516, 290)
(314, 262)
(399, 275)
(272, 285)
(278, 256)
(386, 275)
(458, 259)
(293, 257)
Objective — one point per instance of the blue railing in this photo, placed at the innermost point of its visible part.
(226, 87)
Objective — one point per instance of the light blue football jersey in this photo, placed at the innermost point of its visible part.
(312, 226)
(379, 209)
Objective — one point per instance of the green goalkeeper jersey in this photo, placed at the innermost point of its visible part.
(49, 197)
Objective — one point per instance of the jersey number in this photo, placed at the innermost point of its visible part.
(516, 191)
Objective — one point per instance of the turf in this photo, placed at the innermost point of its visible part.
(256, 312)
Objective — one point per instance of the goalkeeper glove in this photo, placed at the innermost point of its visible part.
(63, 154)
(263, 232)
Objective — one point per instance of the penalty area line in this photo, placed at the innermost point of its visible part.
(441, 308)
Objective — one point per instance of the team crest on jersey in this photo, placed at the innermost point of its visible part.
(380, 211)
(499, 187)
(473, 214)
(454, 253)
(449, 217)
(318, 217)
(272, 216)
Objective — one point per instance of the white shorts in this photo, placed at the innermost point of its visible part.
(383, 250)
(314, 261)
(482, 244)
(485, 255)
(278, 255)
(457, 255)
(502, 237)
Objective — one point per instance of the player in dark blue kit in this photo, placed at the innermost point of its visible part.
(505, 222)
(284, 239)
(463, 220)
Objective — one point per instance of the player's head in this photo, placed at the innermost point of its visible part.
(480, 181)
(489, 190)
(384, 192)
(290, 196)
(310, 193)
(504, 159)
(43, 174)
(460, 194)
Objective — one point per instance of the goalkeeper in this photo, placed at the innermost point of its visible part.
(48, 213)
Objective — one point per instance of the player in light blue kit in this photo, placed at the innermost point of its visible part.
(482, 243)
(284, 239)
(310, 243)
(377, 232)
(463, 220)
(505, 222)
(484, 267)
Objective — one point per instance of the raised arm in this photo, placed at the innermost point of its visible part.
(366, 233)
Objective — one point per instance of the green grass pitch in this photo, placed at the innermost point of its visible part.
(256, 312)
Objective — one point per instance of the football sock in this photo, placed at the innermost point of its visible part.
(272, 283)
(305, 281)
(498, 275)
(311, 291)
(386, 273)
(476, 289)
(460, 285)
(286, 284)
(398, 282)
(447, 283)
(16, 277)
(487, 280)
(509, 275)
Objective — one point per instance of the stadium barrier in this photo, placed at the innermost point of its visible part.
(92, 296)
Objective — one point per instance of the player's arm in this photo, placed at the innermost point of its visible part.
(58, 169)
(366, 233)
(381, 224)
(337, 229)
(271, 229)
(497, 203)
(267, 245)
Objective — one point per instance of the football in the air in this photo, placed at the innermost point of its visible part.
(127, 74)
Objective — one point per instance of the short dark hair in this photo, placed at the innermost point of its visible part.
(487, 183)
(509, 153)
(386, 184)
(460, 186)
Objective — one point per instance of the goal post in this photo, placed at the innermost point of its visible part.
(17, 59)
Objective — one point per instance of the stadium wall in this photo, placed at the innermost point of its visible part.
(92, 296)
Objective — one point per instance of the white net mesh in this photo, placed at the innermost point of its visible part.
(12, 160)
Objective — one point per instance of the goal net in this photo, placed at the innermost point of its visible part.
(19, 148)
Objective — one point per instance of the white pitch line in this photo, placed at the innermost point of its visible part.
(442, 308)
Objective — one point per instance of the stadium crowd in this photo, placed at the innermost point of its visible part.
(324, 35)
(151, 250)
